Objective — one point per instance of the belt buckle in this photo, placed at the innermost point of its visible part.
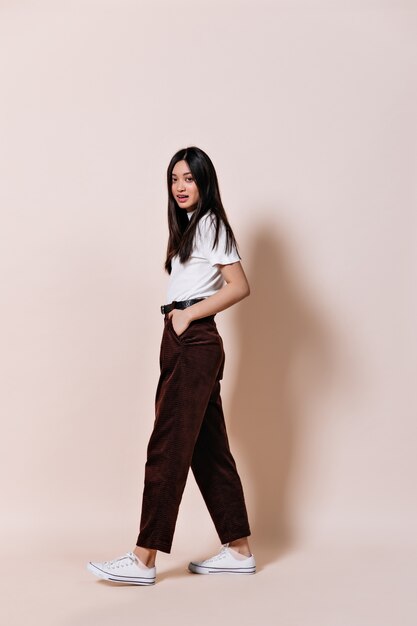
(170, 306)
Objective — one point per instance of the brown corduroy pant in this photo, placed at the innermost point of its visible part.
(189, 431)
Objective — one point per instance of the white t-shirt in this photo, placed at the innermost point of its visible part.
(199, 276)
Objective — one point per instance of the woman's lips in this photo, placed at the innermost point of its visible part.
(182, 199)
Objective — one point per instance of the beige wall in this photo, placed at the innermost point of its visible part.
(307, 110)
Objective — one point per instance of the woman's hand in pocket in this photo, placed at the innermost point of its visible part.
(180, 320)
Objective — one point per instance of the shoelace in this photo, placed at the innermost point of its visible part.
(220, 555)
(117, 562)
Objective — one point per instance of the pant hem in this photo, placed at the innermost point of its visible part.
(154, 545)
(234, 536)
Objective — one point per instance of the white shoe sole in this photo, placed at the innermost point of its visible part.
(116, 578)
(205, 569)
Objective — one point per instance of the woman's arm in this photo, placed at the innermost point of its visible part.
(236, 288)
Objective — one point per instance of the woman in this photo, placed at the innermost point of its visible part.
(205, 277)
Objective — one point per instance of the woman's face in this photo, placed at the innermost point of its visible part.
(184, 188)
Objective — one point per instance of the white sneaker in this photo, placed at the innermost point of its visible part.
(224, 563)
(125, 569)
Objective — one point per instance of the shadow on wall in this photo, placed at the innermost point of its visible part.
(286, 361)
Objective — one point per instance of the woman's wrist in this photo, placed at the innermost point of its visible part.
(221, 300)
(199, 309)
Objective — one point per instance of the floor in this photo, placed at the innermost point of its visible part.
(369, 584)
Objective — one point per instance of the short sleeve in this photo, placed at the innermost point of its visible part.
(217, 254)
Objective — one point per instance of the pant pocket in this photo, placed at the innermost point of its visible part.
(172, 330)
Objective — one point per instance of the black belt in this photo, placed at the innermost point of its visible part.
(178, 304)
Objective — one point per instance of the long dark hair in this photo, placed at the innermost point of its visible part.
(181, 227)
